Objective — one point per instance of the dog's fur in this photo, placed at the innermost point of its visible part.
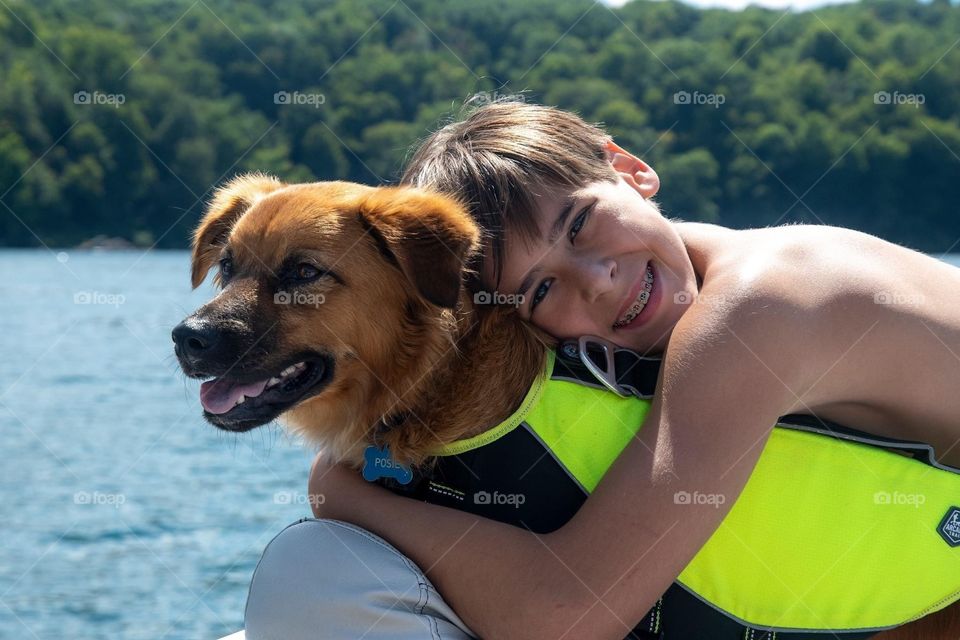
(403, 336)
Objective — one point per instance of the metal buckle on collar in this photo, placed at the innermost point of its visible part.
(589, 345)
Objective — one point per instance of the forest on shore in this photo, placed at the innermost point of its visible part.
(119, 118)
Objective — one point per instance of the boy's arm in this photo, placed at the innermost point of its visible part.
(723, 384)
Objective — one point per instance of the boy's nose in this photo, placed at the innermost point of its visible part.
(596, 279)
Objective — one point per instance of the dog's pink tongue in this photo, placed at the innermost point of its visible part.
(220, 395)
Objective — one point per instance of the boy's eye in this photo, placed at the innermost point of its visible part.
(578, 223)
(540, 294)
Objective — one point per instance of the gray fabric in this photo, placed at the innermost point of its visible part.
(331, 579)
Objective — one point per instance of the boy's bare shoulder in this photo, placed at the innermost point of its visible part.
(810, 267)
(841, 317)
(783, 291)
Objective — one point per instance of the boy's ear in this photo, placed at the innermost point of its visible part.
(229, 203)
(429, 236)
(634, 171)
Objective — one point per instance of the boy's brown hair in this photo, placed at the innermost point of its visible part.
(498, 155)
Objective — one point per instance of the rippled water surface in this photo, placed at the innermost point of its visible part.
(125, 515)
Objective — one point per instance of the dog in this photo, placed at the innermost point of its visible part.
(343, 311)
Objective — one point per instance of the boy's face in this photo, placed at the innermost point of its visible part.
(614, 269)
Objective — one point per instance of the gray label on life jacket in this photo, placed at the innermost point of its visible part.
(949, 528)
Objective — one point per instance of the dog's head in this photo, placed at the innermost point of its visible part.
(328, 291)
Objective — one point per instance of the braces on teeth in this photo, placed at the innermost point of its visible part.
(640, 302)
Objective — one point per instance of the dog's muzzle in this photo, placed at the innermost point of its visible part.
(245, 387)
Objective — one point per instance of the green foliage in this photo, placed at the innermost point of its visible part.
(119, 118)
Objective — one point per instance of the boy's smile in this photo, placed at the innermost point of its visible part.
(641, 304)
(606, 262)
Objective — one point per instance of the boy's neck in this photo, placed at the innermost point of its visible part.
(702, 242)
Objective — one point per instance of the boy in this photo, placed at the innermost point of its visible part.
(752, 325)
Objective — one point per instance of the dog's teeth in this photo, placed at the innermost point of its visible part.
(286, 373)
(292, 369)
(241, 400)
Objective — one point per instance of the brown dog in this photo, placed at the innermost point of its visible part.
(342, 309)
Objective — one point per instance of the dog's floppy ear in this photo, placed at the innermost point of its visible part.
(429, 236)
(229, 202)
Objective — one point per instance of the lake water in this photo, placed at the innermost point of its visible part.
(125, 515)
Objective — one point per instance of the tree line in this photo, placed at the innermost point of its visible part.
(118, 118)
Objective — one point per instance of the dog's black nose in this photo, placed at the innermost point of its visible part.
(194, 340)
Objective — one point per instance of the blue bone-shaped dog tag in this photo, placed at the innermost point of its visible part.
(377, 463)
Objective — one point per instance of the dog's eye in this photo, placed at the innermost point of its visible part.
(226, 268)
(306, 271)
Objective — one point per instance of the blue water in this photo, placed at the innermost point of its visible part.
(125, 515)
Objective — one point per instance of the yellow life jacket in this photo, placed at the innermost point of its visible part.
(836, 530)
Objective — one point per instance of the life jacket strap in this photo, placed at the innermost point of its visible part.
(625, 372)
